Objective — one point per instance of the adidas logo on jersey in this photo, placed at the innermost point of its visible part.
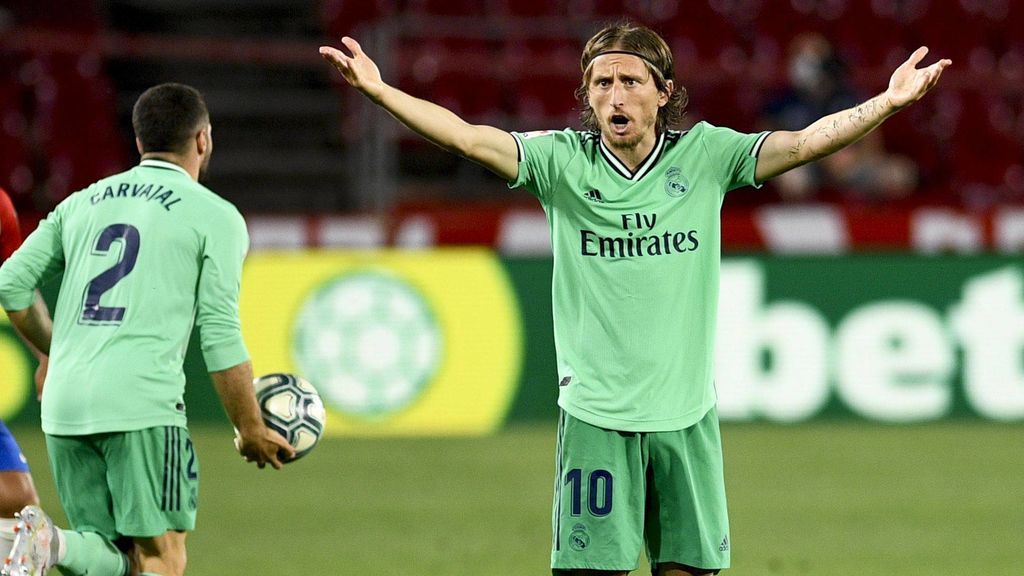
(594, 196)
(724, 546)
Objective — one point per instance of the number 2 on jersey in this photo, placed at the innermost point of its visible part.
(92, 311)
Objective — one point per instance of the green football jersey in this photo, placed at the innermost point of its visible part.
(145, 254)
(636, 266)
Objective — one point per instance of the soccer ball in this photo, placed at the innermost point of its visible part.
(292, 407)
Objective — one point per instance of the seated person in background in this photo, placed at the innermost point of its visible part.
(863, 171)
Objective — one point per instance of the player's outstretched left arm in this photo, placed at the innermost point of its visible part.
(488, 146)
(785, 150)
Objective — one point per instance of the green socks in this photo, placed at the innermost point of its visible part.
(89, 553)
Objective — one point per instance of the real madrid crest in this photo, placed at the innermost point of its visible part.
(676, 184)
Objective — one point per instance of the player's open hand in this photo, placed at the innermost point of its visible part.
(358, 69)
(264, 448)
(909, 83)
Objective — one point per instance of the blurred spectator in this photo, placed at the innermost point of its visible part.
(818, 87)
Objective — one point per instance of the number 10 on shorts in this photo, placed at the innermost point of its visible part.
(599, 492)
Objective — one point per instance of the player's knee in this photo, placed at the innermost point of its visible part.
(165, 555)
(674, 569)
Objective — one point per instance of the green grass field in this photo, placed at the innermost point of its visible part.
(830, 499)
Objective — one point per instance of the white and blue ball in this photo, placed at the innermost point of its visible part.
(292, 407)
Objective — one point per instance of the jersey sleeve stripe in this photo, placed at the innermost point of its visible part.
(520, 153)
(756, 150)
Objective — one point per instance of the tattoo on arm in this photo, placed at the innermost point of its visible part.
(838, 130)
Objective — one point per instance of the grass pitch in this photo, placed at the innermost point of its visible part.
(831, 499)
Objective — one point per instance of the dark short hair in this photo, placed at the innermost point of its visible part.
(652, 49)
(166, 116)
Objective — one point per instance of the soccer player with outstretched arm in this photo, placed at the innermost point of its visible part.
(145, 255)
(633, 208)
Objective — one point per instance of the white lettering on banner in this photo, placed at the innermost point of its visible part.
(894, 362)
(794, 385)
(1008, 230)
(936, 230)
(804, 229)
(989, 321)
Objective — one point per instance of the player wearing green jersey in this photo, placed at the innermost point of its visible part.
(633, 211)
(145, 255)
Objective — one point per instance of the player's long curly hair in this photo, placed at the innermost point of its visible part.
(647, 44)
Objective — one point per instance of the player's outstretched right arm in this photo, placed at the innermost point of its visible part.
(488, 146)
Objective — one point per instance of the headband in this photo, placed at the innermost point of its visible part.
(631, 53)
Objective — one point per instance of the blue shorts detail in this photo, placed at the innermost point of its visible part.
(11, 458)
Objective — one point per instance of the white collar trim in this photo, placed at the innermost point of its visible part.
(641, 170)
(164, 164)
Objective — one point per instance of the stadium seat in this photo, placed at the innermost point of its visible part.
(460, 8)
(15, 162)
(344, 17)
(76, 123)
(532, 8)
(473, 95)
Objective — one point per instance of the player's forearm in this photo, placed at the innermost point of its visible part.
(836, 131)
(234, 386)
(435, 123)
(33, 324)
(41, 312)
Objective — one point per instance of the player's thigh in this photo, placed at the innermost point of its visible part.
(16, 492)
(687, 522)
(153, 477)
(11, 457)
(163, 554)
(599, 498)
(80, 475)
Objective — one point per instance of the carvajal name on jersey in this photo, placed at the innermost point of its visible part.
(628, 246)
(148, 192)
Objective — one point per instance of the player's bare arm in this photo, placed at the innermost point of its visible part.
(255, 441)
(490, 147)
(33, 324)
(41, 357)
(785, 150)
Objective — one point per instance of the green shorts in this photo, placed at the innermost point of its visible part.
(616, 491)
(138, 484)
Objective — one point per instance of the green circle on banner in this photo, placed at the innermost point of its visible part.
(17, 371)
(371, 342)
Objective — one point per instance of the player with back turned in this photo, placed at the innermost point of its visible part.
(633, 208)
(145, 255)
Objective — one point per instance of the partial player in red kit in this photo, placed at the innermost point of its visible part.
(16, 487)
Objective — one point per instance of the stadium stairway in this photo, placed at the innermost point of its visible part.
(275, 116)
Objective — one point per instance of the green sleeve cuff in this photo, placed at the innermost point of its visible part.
(521, 152)
(226, 355)
(17, 299)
